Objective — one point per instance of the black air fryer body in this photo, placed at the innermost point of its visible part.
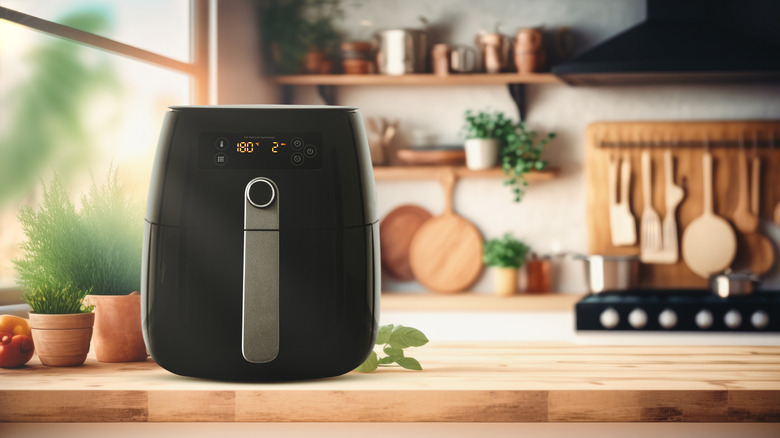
(261, 250)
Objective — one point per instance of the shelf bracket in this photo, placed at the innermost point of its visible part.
(327, 93)
(517, 91)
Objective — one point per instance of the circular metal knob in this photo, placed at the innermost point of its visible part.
(637, 318)
(759, 319)
(704, 319)
(667, 319)
(732, 319)
(261, 193)
(609, 318)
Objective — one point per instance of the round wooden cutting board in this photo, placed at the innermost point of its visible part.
(395, 237)
(446, 252)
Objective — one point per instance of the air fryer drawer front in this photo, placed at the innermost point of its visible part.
(327, 301)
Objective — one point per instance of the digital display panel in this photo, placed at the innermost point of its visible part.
(261, 151)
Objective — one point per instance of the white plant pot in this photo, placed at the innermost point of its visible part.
(481, 153)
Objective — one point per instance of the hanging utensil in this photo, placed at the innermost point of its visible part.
(744, 219)
(709, 243)
(650, 226)
(674, 195)
(622, 224)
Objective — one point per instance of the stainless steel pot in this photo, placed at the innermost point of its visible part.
(730, 284)
(605, 273)
(401, 51)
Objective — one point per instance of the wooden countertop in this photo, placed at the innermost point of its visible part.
(496, 382)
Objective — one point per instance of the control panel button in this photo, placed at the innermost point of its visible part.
(732, 319)
(297, 159)
(261, 193)
(310, 151)
(221, 144)
(220, 159)
(667, 319)
(704, 319)
(297, 143)
(637, 318)
(759, 319)
(609, 318)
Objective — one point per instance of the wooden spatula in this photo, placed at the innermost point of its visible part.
(622, 223)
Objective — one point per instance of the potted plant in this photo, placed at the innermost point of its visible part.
(301, 34)
(505, 255)
(486, 134)
(61, 324)
(97, 249)
(521, 154)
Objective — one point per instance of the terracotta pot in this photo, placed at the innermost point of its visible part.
(62, 340)
(506, 281)
(118, 335)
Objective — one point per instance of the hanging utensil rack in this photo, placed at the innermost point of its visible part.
(687, 141)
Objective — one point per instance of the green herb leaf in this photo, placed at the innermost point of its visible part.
(383, 336)
(387, 360)
(409, 363)
(369, 365)
(394, 352)
(403, 337)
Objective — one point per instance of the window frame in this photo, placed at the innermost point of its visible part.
(198, 69)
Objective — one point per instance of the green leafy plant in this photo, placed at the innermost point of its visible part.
(97, 249)
(521, 150)
(483, 124)
(49, 299)
(505, 252)
(394, 339)
(521, 154)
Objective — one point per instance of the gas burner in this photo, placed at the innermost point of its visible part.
(679, 310)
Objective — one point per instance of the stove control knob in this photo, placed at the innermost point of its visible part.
(704, 319)
(732, 319)
(667, 319)
(759, 319)
(637, 318)
(609, 318)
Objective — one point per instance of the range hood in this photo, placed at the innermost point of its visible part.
(686, 41)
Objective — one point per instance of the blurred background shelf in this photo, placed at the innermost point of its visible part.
(420, 79)
(393, 173)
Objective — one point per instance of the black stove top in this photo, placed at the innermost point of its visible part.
(679, 310)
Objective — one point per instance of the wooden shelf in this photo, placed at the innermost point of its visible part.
(460, 382)
(397, 173)
(478, 302)
(427, 79)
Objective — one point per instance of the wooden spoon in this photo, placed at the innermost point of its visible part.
(755, 252)
(709, 243)
(744, 219)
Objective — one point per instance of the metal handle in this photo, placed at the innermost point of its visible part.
(260, 313)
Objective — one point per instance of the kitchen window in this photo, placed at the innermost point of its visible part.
(83, 88)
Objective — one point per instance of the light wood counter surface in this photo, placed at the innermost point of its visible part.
(494, 382)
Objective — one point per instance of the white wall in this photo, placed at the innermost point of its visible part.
(552, 213)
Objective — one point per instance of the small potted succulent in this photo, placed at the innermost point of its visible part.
(505, 255)
(95, 251)
(485, 134)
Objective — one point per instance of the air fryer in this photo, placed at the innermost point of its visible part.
(261, 245)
